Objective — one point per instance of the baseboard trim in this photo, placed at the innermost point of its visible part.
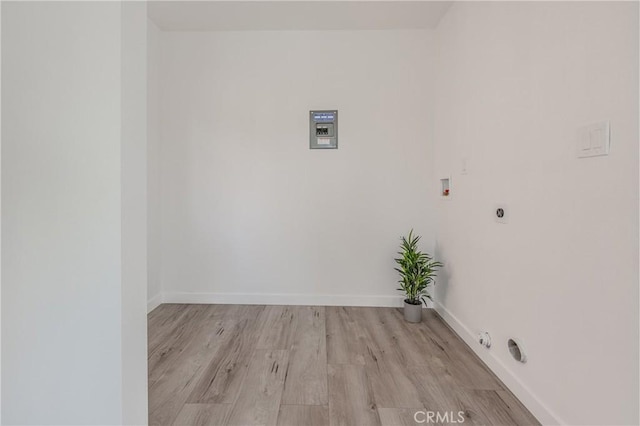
(519, 389)
(281, 299)
(154, 302)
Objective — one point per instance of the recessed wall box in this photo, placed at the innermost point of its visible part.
(323, 129)
(445, 188)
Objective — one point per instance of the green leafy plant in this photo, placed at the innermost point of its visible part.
(417, 270)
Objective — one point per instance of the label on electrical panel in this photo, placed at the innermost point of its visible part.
(323, 141)
(323, 117)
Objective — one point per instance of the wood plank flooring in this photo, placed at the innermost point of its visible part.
(315, 366)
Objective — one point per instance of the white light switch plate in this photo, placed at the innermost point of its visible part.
(593, 140)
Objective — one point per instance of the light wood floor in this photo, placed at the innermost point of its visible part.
(308, 365)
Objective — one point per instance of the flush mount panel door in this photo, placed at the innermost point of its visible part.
(323, 129)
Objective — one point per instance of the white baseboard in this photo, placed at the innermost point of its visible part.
(281, 299)
(519, 389)
(154, 302)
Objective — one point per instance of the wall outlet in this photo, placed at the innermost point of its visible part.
(501, 213)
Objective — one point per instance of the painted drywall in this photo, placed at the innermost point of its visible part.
(251, 214)
(296, 15)
(134, 212)
(154, 285)
(0, 214)
(514, 83)
(61, 347)
(73, 294)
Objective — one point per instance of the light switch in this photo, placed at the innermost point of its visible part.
(464, 169)
(593, 140)
(584, 140)
(597, 140)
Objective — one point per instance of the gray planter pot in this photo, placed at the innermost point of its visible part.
(412, 313)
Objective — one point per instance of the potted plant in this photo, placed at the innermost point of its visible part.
(417, 272)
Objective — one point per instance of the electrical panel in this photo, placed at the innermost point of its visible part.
(323, 129)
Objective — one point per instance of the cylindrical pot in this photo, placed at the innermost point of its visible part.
(412, 313)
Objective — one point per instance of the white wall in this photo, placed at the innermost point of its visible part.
(134, 213)
(514, 83)
(249, 212)
(73, 300)
(0, 213)
(61, 345)
(153, 167)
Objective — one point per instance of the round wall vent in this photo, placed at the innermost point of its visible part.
(516, 350)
